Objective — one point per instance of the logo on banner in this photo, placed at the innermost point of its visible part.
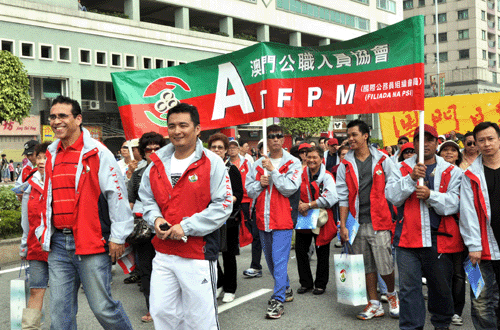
(165, 86)
(342, 275)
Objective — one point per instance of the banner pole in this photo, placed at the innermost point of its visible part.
(421, 140)
(130, 150)
(264, 140)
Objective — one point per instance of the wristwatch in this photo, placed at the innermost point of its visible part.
(310, 206)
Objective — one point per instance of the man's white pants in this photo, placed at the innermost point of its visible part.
(183, 293)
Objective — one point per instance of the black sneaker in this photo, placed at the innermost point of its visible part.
(289, 295)
(275, 309)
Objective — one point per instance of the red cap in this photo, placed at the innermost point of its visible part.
(427, 129)
(333, 141)
(408, 145)
(305, 145)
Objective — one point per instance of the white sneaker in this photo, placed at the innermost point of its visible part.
(457, 320)
(393, 306)
(219, 292)
(371, 311)
(228, 297)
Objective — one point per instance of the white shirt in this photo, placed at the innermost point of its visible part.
(178, 167)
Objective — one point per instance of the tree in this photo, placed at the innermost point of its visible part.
(305, 126)
(15, 101)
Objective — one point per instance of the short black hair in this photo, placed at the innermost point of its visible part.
(41, 148)
(484, 125)
(294, 151)
(318, 149)
(466, 135)
(241, 142)
(299, 138)
(274, 128)
(150, 138)
(322, 138)
(362, 126)
(75, 106)
(186, 108)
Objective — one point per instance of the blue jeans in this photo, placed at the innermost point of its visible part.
(437, 269)
(66, 272)
(276, 246)
(485, 309)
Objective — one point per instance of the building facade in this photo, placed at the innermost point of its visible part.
(72, 52)
(469, 45)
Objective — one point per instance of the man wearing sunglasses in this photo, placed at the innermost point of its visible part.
(87, 220)
(470, 151)
(273, 182)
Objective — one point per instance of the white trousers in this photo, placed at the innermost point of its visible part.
(183, 293)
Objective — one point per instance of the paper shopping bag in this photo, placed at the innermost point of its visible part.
(350, 279)
(19, 293)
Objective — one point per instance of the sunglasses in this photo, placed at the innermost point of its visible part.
(471, 143)
(148, 149)
(408, 151)
(60, 116)
(275, 136)
(217, 147)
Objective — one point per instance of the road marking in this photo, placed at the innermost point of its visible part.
(241, 300)
(10, 270)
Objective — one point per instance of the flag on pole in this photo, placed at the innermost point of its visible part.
(378, 72)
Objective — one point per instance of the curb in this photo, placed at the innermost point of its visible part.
(9, 250)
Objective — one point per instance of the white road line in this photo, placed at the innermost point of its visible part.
(241, 300)
(10, 270)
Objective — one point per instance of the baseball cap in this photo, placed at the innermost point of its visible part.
(427, 129)
(333, 141)
(407, 145)
(403, 137)
(29, 147)
(234, 142)
(305, 145)
(449, 143)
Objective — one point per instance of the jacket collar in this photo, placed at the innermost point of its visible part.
(88, 143)
(167, 151)
(376, 155)
(441, 164)
(321, 172)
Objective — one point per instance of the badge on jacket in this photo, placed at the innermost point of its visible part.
(379, 172)
(193, 178)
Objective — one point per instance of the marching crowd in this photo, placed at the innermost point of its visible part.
(180, 205)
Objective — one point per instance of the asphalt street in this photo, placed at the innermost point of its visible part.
(307, 311)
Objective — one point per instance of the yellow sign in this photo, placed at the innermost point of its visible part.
(459, 113)
(48, 134)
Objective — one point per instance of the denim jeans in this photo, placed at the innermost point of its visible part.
(437, 269)
(66, 272)
(276, 245)
(485, 309)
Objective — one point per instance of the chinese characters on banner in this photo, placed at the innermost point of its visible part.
(29, 127)
(458, 113)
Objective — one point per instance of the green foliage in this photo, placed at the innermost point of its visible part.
(109, 13)
(380, 142)
(208, 30)
(8, 200)
(15, 101)
(245, 36)
(305, 126)
(10, 224)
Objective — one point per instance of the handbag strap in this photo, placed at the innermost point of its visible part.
(347, 248)
(24, 264)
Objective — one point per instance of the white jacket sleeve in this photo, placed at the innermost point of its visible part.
(469, 223)
(220, 208)
(399, 188)
(25, 225)
(329, 196)
(150, 209)
(252, 185)
(287, 183)
(113, 188)
(342, 190)
(447, 203)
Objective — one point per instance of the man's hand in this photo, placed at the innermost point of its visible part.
(116, 251)
(266, 163)
(303, 208)
(160, 233)
(418, 171)
(176, 232)
(423, 192)
(132, 165)
(264, 181)
(475, 257)
(344, 234)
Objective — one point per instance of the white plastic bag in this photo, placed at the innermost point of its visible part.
(350, 279)
(19, 293)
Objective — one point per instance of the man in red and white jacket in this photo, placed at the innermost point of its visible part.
(361, 182)
(480, 221)
(187, 187)
(427, 233)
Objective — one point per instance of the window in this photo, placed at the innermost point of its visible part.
(130, 61)
(159, 63)
(483, 15)
(8, 45)
(463, 54)
(64, 54)
(45, 52)
(88, 89)
(463, 34)
(408, 4)
(443, 37)
(421, 3)
(116, 60)
(147, 63)
(484, 54)
(381, 25)
(51, 88)
(441, 18)
(483, 34)
(181, 62)
(170, 63)
(439, 1)
(27, 49)
(84, 56)
(366, 2)
(494, 77)
(443, 57)
(463, 14)
(101, 58)
(388, 5)
(110, 93)
(425, 58)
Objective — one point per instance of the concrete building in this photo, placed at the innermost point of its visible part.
(469, 44)
(72, 52)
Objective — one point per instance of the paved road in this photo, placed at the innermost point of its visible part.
(305, 312)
